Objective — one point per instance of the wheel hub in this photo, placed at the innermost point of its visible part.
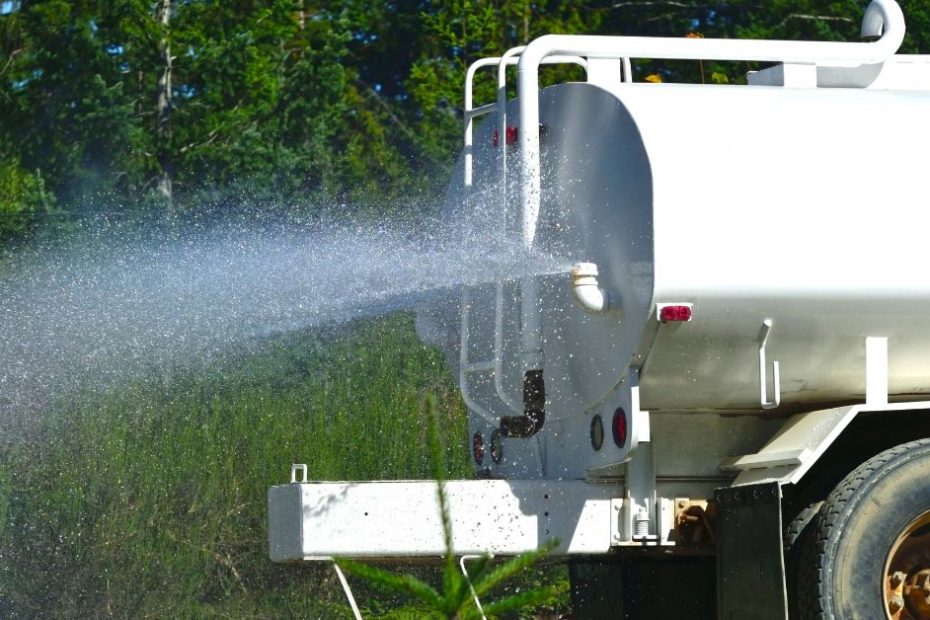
(907, 573)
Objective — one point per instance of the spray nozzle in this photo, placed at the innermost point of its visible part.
(589, 295)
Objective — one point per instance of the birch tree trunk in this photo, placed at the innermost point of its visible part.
(164, 186)
(301, 14)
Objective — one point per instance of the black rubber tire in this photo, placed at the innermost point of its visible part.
(843, 561)
(796, 538)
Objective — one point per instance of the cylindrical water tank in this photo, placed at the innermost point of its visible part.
(805, 207)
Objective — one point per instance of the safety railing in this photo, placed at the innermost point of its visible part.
(494, 366)
(883, 23)
(510, 58)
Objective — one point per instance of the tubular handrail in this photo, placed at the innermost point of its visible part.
(509, 59)
(883, 20)
(470, 113)
(882, 16)
(465, 367)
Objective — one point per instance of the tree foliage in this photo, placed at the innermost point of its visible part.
(281, 100)
(23, 197)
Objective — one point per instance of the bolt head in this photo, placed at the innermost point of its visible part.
(897, 579)
(895, 604)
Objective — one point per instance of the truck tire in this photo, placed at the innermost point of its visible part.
(869, 551)
(796, 538)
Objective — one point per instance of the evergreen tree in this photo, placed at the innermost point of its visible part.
(285, 100)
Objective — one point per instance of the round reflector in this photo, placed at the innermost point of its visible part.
(477, 448)
(497, 447)
(597, 432)
(619, 427)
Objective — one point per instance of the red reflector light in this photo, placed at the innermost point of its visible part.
(477, 448)
(675, 313)
(509, 139)
(619, 427)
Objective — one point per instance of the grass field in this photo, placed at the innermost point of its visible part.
(150, 502)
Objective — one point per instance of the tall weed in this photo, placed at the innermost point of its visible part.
(150, 502)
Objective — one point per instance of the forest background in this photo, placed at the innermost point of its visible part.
(166, 106)
(149, 500)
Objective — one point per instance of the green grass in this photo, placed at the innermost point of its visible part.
(150, 502)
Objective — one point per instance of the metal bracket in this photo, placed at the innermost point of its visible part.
(474, 594)
(356, 613)
(348, 591)
(299, 467)
(776, 382)
(876, 370)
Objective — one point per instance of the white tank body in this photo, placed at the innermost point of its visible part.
(803, 206)
(806, 207)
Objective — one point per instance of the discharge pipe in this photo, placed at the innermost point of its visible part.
(534, 408)
(588, 294)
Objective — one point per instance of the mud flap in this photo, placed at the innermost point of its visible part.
(642, 588)
(750, 555)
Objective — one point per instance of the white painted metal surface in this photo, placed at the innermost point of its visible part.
(471, 112)
(910, 72)
(764, 401)
(886, 12)
(803, 439)
(876, 370)
(841, 255)
(749, 204)
(402, 519)
(828, 253)
(789, 216)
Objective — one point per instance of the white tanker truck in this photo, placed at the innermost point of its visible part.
(726, 401)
